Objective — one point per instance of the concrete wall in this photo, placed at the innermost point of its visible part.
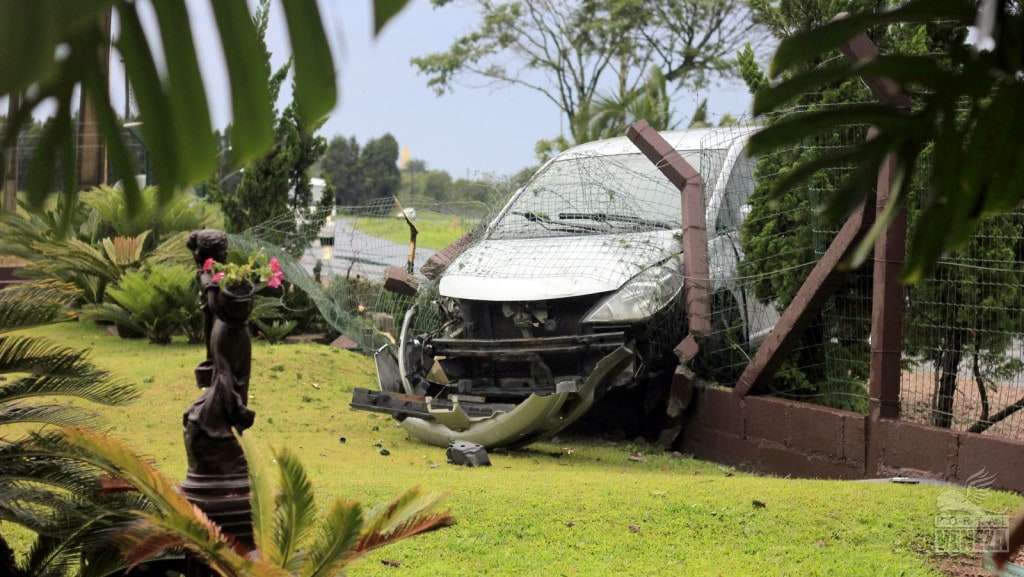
(791, 438)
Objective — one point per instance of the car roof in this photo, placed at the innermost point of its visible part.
(691, 139)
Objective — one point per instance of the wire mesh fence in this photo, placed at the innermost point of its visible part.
(963, 358)
(341, 266)
(762, 245)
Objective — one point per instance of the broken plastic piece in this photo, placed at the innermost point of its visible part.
(468, 454)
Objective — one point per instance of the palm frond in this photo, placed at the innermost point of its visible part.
(335, 540)
(176, 516)
(111, 313)
(150, 546)
(172, 251)
(31, 307)
(40, 356)
(41, 460)
(295, 510)
(407, 515)
(261, 500)
(96, 387)
(125, 251)
(59, 415)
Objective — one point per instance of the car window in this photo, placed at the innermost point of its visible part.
(595, 195)
(737, 193)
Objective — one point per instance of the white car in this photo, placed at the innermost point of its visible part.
(574, 289)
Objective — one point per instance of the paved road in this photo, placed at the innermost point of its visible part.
(359, 254)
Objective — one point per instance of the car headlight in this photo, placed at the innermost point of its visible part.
(641, 297)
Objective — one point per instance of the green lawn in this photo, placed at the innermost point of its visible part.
(436, 230)
(576, 508)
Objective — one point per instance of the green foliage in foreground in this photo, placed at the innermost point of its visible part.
(436, 230)
(543, 511)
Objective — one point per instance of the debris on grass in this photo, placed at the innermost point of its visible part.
(467, 454)
(758, 504)
(342, 440)
(384, 452)
(634, 528)
(637, 457)
(390, 563)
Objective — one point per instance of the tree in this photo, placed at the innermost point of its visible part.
(341, 166)
(173, 105)
(276, 187)
(438, 185)
(379, 162)
(570, 51)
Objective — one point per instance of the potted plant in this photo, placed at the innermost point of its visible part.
(238, 283)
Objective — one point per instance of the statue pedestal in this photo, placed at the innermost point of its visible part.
(225, 500)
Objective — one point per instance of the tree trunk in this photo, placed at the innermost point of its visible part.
(947, 366)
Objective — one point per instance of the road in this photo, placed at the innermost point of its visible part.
(359, 254)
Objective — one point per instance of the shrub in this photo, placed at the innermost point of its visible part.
(184, 212)
(158, 301)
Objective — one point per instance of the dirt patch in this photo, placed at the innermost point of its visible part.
(966, 565)
(916, 389)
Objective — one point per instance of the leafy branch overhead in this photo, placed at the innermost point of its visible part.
(965, 110)
(49, 48)
(570, 52)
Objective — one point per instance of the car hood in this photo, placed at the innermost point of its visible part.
(532, 269)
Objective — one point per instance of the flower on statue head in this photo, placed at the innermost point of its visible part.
(208, 265)
(217, 277)
(275, 279)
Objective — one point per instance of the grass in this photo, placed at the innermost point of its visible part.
(575, 508)
(436, 230)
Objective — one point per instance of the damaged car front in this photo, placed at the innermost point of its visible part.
(572, 290)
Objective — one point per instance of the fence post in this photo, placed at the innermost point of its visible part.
(697, 282)
(887, 295)
(11, 173)
(92, 152)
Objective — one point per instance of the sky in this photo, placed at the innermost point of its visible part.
(469, 131)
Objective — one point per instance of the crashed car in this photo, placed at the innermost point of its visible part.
(573, 290)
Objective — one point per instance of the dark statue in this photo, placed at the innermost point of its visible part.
(217, 480)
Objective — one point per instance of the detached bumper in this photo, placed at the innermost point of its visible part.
(438, 421)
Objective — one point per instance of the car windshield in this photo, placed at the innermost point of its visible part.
(597, 195)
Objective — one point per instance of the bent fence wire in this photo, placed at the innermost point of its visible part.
(341, 267)
(762, 245)
(963, 351)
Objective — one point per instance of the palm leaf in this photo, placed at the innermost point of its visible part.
(36, 304)
(125, 251)
(295, 510)
(176, 516)
(407, 515)
(95, 387)
(60, 415)
(261, 499)
(335, 540)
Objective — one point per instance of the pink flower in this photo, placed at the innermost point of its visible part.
(208, 265)
(275, 279)
(275, 265)
(217, 277)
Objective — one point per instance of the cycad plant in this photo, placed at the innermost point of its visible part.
(157, 301)
(289, 540)
(80, 269)
(41, 488)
